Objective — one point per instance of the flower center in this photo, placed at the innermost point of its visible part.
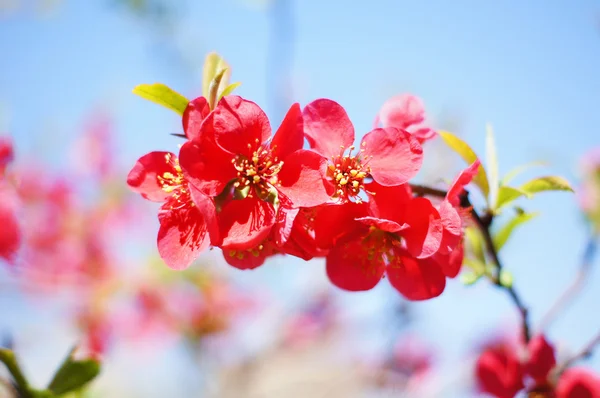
(174, 183)
(348, 173)
(378, 244)
(260, 171)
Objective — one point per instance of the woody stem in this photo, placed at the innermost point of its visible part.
(483, 223)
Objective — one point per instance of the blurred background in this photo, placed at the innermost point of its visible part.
(89, 272)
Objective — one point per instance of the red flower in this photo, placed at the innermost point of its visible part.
(232, 154)
(390, 155)
(187, 217)
(578, 383)
(10, 233)
(499, 372)
(6, 153)
(541, 359)
(405, 112)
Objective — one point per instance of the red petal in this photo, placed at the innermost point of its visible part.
(245, 223)
(452, 224)
(578, 383)
(301, 242)
(424, 236)
(415, 279)
(541, 358)
(206, 166)
(402, 111)
(196, 111)
(382, 224)
(283, 225)
(302, 179)
(6, 153)
(290, 136)
(182, 236)
(327, 127)
(332, 222)
(388, 202)
(251, 258)
(450, 263)
(349, 268)
(459, 184)
(143, 177)
(206, 207)
(10, 234)
(499, 374)
(394, 156)
(239, 126)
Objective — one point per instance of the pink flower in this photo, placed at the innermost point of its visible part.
(405, 112)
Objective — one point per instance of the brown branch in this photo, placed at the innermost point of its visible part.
(575, 287)
(483, 223)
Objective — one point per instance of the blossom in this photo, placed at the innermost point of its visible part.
(499, 372)
(6, 153)
(405, 112)
(391, 156)
(231, 155)
(578, 383)
(187, 217)
(10, 234)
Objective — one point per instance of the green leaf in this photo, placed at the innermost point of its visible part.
(503, 234)
(228, 90)
(9, 359)
(507, 195)
(548, 183)
(492, 165)
(213, 64)
(213, 88)
(73, 374)
(469, 156)
(162, 95)
(477, 266)
(518, 170)
(475, 243)
(469, 278)
(505, 278)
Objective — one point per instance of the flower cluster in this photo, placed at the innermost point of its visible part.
(254, 194)
(503, 371)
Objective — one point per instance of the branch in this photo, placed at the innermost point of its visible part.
(484, 223)
(575, 287)
(586, 352)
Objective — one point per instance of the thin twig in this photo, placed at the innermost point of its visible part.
(575, 287)
(586, 352)
(483, 223)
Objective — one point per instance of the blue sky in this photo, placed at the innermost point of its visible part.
(528, 67)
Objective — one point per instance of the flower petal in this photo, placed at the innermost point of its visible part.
(143, 177)
(206, 207)
(333, 222)
(6, 153)
(382, 224)
(499, 373)
(290, 135)
(424, 236)
(402, 111)
(541, 358)
(349, 268)
(578, 383)
(388, 202)
(463, 179)
(394, 156)
(450, 263)
(283, 225)
(206, 166)
(196, 111)
(238, 125)
(245, 223)
(182, 236)
(327, 127)
(415, 279)
(452, 224)
(10, 233)
(302, 179)
(250, 258)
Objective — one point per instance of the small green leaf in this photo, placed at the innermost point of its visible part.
(475, 244)
(518, 170)
(508, 194)
(548, 183)
(228, 90)
(505, 278)
(465, 152)
(501, 236)
(477, 266)
(73, 374)
(213, 64)
(492, 165)
(162, 95)
(9, 359)
(213, 88)
(469, 278)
